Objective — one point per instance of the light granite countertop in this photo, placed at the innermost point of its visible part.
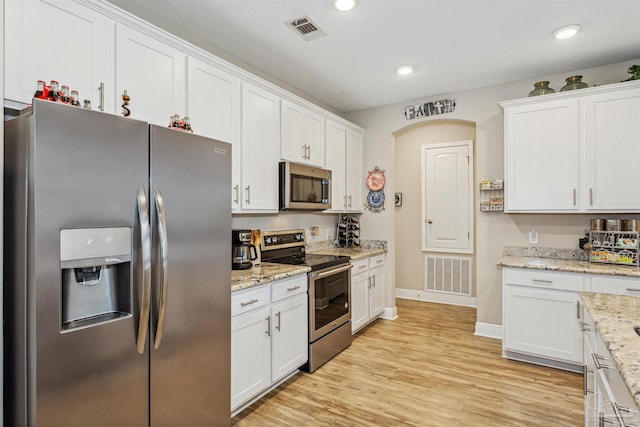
(352, 253)
(615, 316)
(264, 273)
(573, 266)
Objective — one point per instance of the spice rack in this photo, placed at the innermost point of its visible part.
(491, 195)
(614, 247)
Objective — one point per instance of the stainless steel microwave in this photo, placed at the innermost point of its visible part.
(304, 187)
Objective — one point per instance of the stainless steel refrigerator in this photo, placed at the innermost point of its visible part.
(117, 273)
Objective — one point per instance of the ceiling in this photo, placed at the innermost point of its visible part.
(455, 45)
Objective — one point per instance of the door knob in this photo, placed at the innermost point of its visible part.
(429, 221)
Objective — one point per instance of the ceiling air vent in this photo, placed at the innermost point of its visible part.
(306, 28)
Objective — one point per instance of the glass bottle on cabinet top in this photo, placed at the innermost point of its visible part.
(491, 195)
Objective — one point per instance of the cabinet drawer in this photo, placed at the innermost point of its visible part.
(360, 266)
(616, 285)
(544, 279)
(251, 299)
(377, 261)
(288, 287)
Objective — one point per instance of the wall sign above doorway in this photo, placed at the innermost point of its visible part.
(430, 108)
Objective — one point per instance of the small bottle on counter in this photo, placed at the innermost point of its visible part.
(64, 94)
(40, 90)
(74, 99)
(54, 91)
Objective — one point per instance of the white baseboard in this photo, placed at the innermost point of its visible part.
(488, 330)
(389, 313)
(439, 297)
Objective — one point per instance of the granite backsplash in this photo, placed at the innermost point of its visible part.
(543, 252)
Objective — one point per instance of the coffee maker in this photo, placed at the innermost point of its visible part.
(242, 251)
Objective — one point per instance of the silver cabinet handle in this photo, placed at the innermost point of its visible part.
(362, 266)
(585, 376)
(101, 89)
(349, 200)
(574, 197)
(330, 272)
(248, 190)
(369, 282)
(597, 359)
(278, 322)
(542, 281)
(591, 197)
(163, 286)
(236, 191)
(585, 327)
(268, 331)
(373, 280)
(379, 261)
(293, 288)
(633, 289)
(246, 303)
(308, 152)
(345, 201)
(145, 285)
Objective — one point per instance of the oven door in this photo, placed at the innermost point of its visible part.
(329, 300)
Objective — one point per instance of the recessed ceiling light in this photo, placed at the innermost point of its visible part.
(344, 5)
(403, 70)
(566, 32)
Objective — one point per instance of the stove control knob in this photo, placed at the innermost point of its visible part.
(274, 239)
(299, 236)
(267, 240)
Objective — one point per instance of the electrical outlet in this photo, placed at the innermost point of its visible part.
(533, 237)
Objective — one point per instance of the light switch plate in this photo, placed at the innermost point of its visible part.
(533, 237)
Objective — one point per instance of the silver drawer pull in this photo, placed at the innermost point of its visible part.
(293, 288)
(379, 261)
(597, 359)
(542, 280)
(585, 327)
(362, 266)
(633, 289)
(252, 301)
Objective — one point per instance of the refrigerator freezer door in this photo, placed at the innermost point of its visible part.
(84, 168)
(190, 369)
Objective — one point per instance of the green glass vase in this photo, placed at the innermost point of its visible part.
(541, 88)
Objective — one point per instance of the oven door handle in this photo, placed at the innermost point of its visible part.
(329, 272)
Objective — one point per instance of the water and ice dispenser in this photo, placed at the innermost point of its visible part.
(96, 277)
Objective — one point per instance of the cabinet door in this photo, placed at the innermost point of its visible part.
(542, 322)
(612, 141)
(260, 148)
(152, 73)
(290, 335)
(302, 135)
(354, 175)
(359, 294)
(250, 355)
(542, 157)
(335, 161)
(57, 40)
(213, 105)
(376, 292)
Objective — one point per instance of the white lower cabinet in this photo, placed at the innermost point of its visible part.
(367, 290)
(607, 400)
(269, 336)
(540, 313)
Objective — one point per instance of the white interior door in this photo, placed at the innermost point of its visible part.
(447, 173)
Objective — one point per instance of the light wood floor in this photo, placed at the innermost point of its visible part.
(425, 368)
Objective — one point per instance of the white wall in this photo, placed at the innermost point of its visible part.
(492, 230)
(289, 220)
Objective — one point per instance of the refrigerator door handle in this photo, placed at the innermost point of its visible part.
(145, 288)
(164, 278)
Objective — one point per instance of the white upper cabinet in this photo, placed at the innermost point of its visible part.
(302, 135)
(260, 147)
(354, 171)
(57, 40)
(213, 105)
(542, 156)
(612, 142)
(566, 152)
(344, 149)
(152, 73)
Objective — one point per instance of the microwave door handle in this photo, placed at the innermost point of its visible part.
(163, 285)
(145, 285)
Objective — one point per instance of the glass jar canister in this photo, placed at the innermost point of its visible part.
(573, 83)
(541, 88)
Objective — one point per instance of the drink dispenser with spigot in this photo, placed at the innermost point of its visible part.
(96, 279)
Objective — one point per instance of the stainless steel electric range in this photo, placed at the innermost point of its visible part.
(329, 293)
